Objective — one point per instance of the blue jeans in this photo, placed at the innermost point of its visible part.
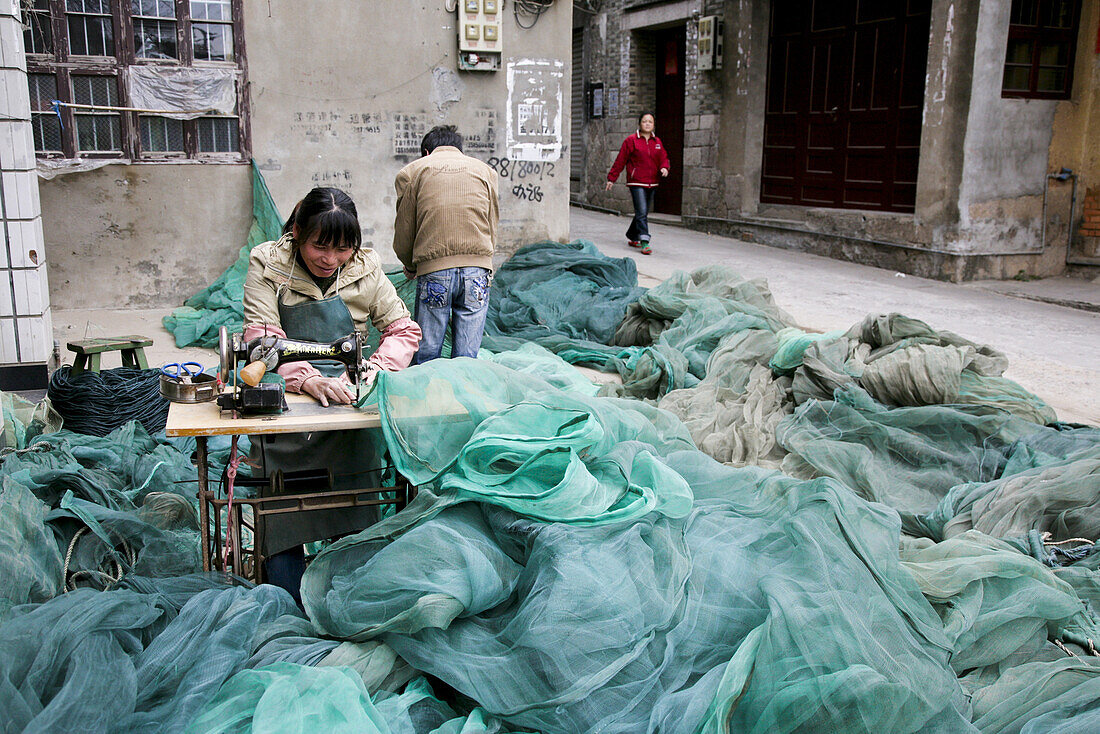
(638, 231)
(286, 569)
(456, 297)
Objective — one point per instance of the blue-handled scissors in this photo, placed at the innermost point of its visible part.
(182, 369)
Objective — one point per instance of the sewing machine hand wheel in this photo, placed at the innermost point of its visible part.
(225, 355)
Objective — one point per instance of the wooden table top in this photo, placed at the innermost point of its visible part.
(304, 415)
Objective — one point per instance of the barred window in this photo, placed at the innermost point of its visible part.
(78, 52)
(1042, 36)
(44, 120)
(161, 134)
(97, 129)
(217, 134)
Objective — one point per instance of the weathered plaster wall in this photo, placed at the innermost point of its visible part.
(342, 98)
(1005, 153)
(341, 94)
(142, 236)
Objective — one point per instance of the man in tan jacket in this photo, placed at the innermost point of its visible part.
(444, 235)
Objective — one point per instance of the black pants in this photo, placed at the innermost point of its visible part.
(638, 231)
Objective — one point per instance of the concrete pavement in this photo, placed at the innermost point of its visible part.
(1053, 350)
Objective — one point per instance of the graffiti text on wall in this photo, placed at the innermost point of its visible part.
(507, 168)
(524, 174)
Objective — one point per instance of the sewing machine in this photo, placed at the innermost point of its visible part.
(263, 354)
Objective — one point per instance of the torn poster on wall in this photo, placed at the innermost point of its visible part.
(534, 109)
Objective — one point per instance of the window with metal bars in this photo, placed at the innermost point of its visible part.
(44, 120)
(1042, 39)
(78, 50)
(97, 129)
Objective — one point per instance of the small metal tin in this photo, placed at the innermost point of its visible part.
(201, 389)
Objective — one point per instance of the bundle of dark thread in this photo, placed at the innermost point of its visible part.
(96, 403)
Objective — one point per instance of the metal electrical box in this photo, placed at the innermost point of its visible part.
(479, 37)
(710, 42)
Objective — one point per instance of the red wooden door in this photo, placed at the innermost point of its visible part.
(844, 102)
(670, 116)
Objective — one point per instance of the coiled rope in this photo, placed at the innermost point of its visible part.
(105, 578)
(96, 403)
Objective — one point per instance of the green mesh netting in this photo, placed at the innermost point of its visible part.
(581, 563)
(531, 619)
(197, 322)
(23, 420)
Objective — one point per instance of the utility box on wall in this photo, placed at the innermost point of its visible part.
(710, 42)
(479, 41)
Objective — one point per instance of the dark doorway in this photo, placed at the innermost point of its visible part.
(670, 115)
(845, 95)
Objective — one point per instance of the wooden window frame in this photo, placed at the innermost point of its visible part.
(1037, 35)
(64, 66)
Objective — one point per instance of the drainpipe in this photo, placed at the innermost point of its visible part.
(1063, 175)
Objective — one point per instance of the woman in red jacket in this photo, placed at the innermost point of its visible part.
(646, 162)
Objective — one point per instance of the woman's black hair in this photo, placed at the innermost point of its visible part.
(330, 215)
(644, 113)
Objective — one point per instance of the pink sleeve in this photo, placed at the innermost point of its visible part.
(400, 341)
(295, 373)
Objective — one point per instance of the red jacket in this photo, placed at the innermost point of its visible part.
(643, 160)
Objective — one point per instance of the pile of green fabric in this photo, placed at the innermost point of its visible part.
(629, 561)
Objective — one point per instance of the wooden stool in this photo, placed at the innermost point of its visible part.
(88, 352)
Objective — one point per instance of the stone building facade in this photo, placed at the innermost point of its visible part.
(925, 136)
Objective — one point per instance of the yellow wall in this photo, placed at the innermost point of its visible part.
(1076, 140)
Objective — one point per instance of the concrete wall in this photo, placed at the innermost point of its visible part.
(1005, 151)
(142, 236)
(375, 69)
(341, 93)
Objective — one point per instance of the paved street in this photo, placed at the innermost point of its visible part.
(1053, 350)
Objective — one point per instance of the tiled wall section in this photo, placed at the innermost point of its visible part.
(26, 332)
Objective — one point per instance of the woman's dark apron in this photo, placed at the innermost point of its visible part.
(353, 457)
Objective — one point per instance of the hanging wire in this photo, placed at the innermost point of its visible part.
(532, 8)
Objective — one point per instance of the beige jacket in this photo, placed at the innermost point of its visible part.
(361, 283)
(446, 212)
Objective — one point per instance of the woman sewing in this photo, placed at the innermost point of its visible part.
(317, 283)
